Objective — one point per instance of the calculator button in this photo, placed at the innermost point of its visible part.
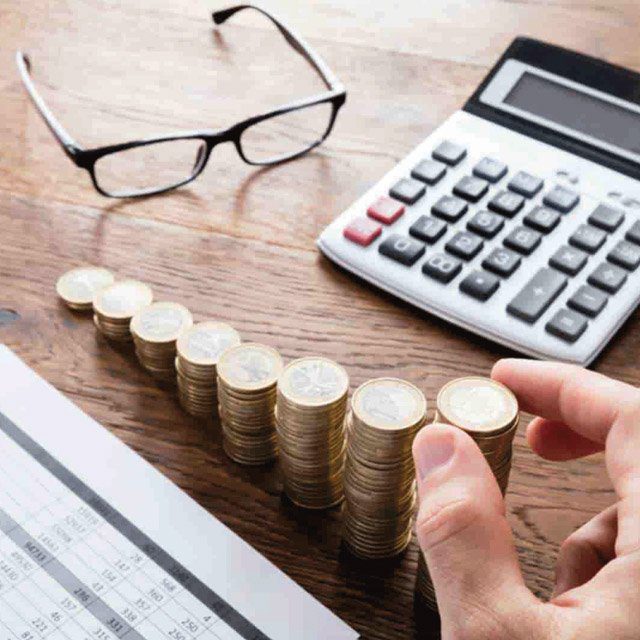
(429, 171)
(588, 300)
(523, 240)
(588, 238)
(428, 229)
(567, 324)
(490, 169)
(606, 218)
(568, 260)
(507, 204)
(402, 249)
(608, 277)
(502, 261)
(486, 224)
(386, 210)
(464, 245)
(449, 153)
(480, 285)
(626, 255)
(542, 219)
(449, 208)
(536, 296)
(633, 234)
(525, 184)
(408, 190)
(442, 267)
(561, 199)
(362, 231)
(471, 188)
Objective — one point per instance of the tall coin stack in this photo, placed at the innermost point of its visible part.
(199, 349)
(311, 409)
(78, 287)
(247, 377)
(488, 411)
(116, 304)
(155, 330)
(380, 495)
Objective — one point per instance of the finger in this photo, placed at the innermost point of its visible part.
(586, 551)
(462, 528)
(555, 441)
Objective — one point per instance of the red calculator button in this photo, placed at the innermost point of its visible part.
(362, 231)
(385, 210)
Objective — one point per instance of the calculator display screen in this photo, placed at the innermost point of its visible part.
(576, 110)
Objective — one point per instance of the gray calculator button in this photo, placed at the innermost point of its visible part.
(464, 245)
(606, 218)
(542, 219)
(490, 169)
(408, 190)
(486, 224)
(588, 238)
(525, 184)
(480, 285)
(562, 199)
(506, 203)
(568, 260)
(608, 277)
(428, 229)
(442, 267)
(523, 240)
(471, 188)
(429, 171)
(633, 235)
(626, 255)
(402, 249)
(502, 261)
(567, 325)
(536, 296)
(449, 153)
(449, 208)
(588, 300)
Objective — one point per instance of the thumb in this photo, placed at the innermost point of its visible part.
(464, 534)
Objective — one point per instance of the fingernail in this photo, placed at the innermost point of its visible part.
(434, 453)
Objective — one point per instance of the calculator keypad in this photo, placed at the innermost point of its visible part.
(537, 295)
(626, 255)
(429, 171)
(402, 249)
(408, 190)
(588, 238)
(506, 203)
(567, 324)
(523, 240)
(385, 210)
(362, 231)
(562, 199)
(588, 300)
(450, 208)
(525, 184)
(465, 245)
(569, 260)
(633, 235)
(428, 229)
(542, 219)
(442, 267)
(608, 277)
(480, 285)
(449, 152)
(486, 224)
(471, 188)
(502, 261)
(490, 169)
(607, 218)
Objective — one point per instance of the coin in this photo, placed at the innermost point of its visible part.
(200, 347)
(116, 304)
(78, 286)
(249, 367)
(313, 381)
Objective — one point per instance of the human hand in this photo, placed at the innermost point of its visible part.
(467, 541)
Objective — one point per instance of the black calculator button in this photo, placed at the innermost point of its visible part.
(633, 235)
(464, 245)
(606, 218)
(542, 219)
(588, 300)
(506, 203)
(486, 224)
(568, 260)
(626, 255)
(402, 249)
(480, 285)
(588, 238)
(449, 208)
(442, 267)
(523, 240)
(525, 184)
(562, 199)
(471, 188)
(490, 169)
(502, 261)
(428, 229)
(567, 325)
(449, 153)
(408, 190)
(429, 171)
(608, 277)
(536, 296)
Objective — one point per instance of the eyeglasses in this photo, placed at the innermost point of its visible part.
(159, 164)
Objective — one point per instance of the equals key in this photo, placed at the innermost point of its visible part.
(536, 296)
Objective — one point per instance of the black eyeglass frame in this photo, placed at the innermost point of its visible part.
(86, 158)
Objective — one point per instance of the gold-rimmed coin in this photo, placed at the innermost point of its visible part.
(116, 304)
(78, 286)
(249, 366)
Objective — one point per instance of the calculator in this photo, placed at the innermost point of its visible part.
(518, 218)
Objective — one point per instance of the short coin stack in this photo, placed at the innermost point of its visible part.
(199, 349)
(380, 496)
(311, 409)
(78, 286)
(116, 304)
(155, 330)
(488, 411)
(247, 377)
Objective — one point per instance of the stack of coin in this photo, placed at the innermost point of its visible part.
(247, 377)
(488, 411)
(379, 480)
(155, 329)
(199, 349)
(116, 304)
(78, 286)
(311, 409)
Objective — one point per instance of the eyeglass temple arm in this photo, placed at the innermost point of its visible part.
(60, 133)
(291, 37)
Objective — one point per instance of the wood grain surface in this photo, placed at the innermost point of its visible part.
(238, 244)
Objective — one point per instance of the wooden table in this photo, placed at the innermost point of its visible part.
(238, 244)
